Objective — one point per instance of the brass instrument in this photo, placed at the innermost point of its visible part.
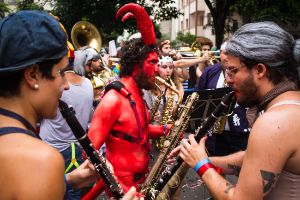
(173, 88)
(173, 139)
(155, 106)
(190, 53)
(84, 33)
(169, 112)
(220, 124)
(173, 184)
(169, 179)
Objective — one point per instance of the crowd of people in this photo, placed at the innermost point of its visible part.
(124, 111)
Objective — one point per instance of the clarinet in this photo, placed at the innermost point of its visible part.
(205, 128)
(95, 158)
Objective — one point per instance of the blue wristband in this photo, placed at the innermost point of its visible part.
(200, 163)
(68, 186)
(165, 129)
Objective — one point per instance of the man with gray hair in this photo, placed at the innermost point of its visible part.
(262, 62)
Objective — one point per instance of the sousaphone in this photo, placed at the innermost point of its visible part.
(86, 34)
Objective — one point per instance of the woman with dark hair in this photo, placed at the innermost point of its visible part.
(164, 94)
(31, 83)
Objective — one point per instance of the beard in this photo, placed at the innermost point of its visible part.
(248, 93)
(144, 82)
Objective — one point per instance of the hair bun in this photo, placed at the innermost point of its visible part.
(296, 52)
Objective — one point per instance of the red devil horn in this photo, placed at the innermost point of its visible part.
(144, 23)
(127, 16)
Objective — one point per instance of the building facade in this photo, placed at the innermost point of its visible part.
(195, 20)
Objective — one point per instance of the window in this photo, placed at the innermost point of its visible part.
(209, 18)
(186, 23)
(200, 16)
(181, 25)
(193, 20)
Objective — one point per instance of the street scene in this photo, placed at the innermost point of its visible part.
(149, 99)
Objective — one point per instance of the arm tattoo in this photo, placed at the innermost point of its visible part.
(228, 187)
(269, 180)
(235, 169)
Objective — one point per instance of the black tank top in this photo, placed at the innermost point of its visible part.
(29, 131)
(8, 130)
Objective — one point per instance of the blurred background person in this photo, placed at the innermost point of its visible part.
(161, 96)
(232, 134)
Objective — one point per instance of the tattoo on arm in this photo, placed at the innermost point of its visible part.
(229, 186)
(269, 180)
(235, 169)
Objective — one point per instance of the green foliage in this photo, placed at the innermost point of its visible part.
(182, 39)
(101, 13)
(3, 9)
(28, 5)
(219, 10)
(283, 12)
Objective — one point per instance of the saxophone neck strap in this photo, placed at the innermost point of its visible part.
(120, 87)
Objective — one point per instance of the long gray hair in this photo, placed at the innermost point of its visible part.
(267, 43)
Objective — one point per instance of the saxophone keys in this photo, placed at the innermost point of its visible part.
(166, 143)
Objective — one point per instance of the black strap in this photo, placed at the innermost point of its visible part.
(120, 87)
(9, 130)
(18, 117)
(126, 137)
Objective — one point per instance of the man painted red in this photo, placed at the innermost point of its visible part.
(122, 125)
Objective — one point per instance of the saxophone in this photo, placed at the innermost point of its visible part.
(155, 105)
(169, 116)
(174, 183)
(172, 176)
(172, 140)
(173, 88)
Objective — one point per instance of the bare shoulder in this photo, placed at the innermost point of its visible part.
(279, 121)
(276, 132)
(32, 166)
(111, 102)
(112, 97)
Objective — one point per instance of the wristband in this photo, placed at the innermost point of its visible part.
(200, 163)
(68, 186)
(165, 129)
(219, 170)
(204, 168)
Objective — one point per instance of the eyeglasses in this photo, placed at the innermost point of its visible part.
(231, 72)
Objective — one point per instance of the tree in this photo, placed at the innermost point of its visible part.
(101, 13)
(3, 9)
(28, 5)
(184, 39)
(282, 12)
(219, 10)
